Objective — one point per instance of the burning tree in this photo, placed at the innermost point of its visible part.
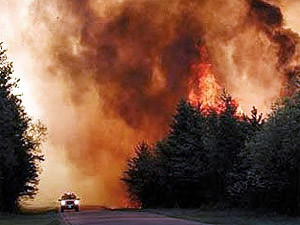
(224, 137)
(221, 157)
(192, 161)
(20, 143)
(204, 89)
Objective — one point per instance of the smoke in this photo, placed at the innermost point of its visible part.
(109, 74)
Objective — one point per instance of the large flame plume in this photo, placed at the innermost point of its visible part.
(204, 89)
(105, 74)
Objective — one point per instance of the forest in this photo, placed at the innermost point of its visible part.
(222, 158)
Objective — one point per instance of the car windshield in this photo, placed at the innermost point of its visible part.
(68, 196)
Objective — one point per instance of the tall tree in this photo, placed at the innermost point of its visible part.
(172, 174)
(237, 184)
(20, 143)
(141, 177)
(224, 138)
(182, 156)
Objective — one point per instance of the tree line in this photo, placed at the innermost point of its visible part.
(221, 159)
(20, 143)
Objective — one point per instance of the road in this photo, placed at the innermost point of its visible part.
(108, 217)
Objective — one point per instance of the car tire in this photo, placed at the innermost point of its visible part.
(77, 209)
(62, 210)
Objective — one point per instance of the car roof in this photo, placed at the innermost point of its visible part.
(68, 193)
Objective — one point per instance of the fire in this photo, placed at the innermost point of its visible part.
(204, 89)
(104, 75)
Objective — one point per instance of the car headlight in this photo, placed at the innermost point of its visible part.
(76, 202)
(63, 202)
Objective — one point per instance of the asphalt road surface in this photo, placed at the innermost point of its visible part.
(107, 217)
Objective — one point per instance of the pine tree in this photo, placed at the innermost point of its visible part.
(141, 177)
(237, 179)
(182, 156)
(20, 142)
(224, 139)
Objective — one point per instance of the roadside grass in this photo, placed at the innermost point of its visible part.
(32, 216)
(232, 217)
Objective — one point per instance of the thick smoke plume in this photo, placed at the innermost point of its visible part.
(114, 71)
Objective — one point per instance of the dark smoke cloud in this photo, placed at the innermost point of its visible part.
(124, 49)
(267, 13)
(287, 47)
(271, 18)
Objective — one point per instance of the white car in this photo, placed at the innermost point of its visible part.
(69, 201)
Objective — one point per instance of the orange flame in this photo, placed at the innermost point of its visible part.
(204, 89)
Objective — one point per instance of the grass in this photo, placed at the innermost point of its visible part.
(37, 216)
(232, 217)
